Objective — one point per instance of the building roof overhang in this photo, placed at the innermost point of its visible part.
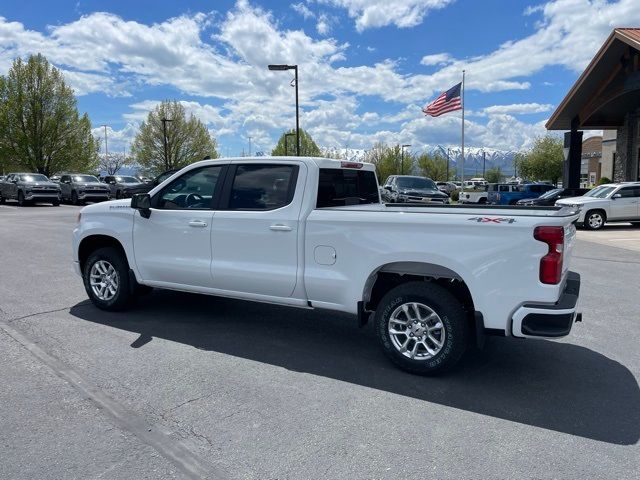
(603, 94)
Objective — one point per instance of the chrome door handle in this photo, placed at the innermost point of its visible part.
(197, 223)
(280, 228)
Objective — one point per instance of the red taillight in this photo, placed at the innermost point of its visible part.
(551, 263)
(351, 165)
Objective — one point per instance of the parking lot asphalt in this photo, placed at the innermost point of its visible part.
(185, 386)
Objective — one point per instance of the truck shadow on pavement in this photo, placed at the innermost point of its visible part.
(556, 386)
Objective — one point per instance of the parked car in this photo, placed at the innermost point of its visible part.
(236, 228)
(409, 188)
(123, 186)
(612, 202)
(549, 198)
(146, 186)
(79, 188)
(476, 183)
(510, 193)
(29, 187)
(477, 195)
(446, 187)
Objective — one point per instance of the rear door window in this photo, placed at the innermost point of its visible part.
(341, 187)
(262, 186)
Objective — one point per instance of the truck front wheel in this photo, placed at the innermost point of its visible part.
(106, 279)
(421, 327)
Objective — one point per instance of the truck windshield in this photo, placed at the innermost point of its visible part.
(600, 192)
(342, 187)
(416, 182)
(34, 177)
(84, 178)
(551, 193)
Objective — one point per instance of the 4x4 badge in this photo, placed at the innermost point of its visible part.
(492, 219)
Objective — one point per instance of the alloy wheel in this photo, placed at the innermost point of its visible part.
(104, 280)
(416, 331)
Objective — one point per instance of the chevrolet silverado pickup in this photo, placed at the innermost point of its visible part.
(312, 233)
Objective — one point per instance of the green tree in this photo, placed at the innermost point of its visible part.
(544, 161)
(188, 139)
(493, 175)
(287, 146)
(389, 161)
(40, 128)
(433, 167)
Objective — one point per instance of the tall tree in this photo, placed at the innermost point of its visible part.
(544, 161)
(113, 162)
(433, 166)
(493, 175)
(187, 139)
(287, 145)
(40, 128)
(389, 161)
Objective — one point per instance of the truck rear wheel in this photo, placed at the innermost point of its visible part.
(106, 279)
(421, 327)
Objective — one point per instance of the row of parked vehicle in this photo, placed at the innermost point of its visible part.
(616, 202)
(75, 188)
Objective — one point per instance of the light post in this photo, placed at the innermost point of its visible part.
(164, 136)
(295, 68)
(106, 148)
(484, 160)
(402, 158)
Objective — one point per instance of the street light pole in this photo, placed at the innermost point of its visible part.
(106, 148)
(484, 159)
(295, 69)
(164, 136)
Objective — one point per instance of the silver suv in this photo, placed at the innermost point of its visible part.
(29, 187)
(78, 188)
(612, 202)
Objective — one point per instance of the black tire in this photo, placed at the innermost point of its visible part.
(1, 200)
(21, 201)
(118, 195)
(74, 198)
(56, 203)
(123, 297)
(590, 219)
(482, 201)
(452, 316)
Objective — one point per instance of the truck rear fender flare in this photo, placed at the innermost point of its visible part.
(390, 275)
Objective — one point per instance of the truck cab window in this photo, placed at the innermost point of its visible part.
(194, 190)
(342, 187)
(262, 187)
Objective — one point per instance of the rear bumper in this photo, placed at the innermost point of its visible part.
(552, 321)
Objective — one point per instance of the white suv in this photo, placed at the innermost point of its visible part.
(612, 202)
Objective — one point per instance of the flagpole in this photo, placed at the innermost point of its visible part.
(462, 161)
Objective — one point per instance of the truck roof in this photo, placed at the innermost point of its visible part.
(320, 162)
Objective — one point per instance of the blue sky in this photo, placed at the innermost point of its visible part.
(366, 66)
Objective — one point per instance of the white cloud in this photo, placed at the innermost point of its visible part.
(518, 109)
(436, 59)
(380, 13)
(101, 52)
(303, 10)
(324, 24)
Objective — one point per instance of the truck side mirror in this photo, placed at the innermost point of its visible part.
(616, 195)
(142, 203)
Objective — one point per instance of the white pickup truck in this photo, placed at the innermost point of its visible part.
(312, 233)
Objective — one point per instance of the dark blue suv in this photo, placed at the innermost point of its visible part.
(509, 194)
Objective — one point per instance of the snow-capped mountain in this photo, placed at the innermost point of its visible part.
(473, 161)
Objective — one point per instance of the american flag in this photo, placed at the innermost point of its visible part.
(448, 101)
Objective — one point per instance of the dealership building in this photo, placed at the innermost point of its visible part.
(605, 97)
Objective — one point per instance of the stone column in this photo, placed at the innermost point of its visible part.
(626, 166)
